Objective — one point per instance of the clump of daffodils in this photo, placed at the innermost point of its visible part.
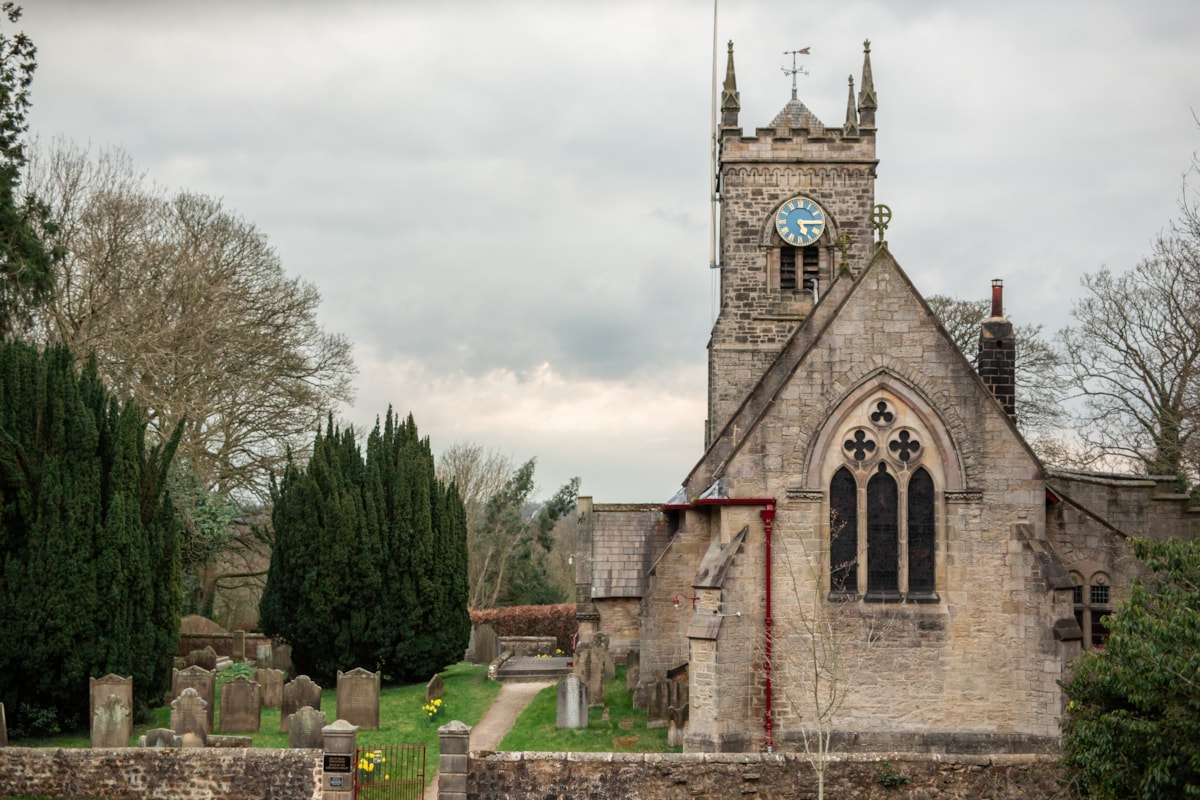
(433, 709)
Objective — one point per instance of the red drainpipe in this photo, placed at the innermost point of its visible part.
(768, 518)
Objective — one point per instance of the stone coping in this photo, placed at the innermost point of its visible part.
(965, 759)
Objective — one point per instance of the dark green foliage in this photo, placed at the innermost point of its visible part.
(26, 278)
(88, 543)
(369, 567)
(1132, 728)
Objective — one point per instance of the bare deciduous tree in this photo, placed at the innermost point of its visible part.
(1041, 384)
(1134, 356)
(187, 309)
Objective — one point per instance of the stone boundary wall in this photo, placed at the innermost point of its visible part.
(238, 645)
(161, 773)
(528, 646)
(719, 776)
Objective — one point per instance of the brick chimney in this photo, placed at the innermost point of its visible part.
(998, 354)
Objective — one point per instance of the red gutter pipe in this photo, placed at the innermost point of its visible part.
(768, 518)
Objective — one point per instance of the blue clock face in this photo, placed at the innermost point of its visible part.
(800, 222)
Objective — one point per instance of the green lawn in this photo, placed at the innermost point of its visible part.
(625, 730)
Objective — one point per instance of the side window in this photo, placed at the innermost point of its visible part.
(883, 533)
(920, 532)
(843, 533)
(1093, 601)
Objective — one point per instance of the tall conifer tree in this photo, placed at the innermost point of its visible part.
(386, 535)
(90, 580)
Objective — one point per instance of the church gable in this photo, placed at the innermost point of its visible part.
(881, 344)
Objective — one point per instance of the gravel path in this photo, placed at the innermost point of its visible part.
(498, 719)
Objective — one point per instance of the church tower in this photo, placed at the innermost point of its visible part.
(796, 200)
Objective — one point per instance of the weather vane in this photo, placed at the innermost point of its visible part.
(795, 69)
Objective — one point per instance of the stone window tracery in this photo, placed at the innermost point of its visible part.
(883, 508)
(1093, 601)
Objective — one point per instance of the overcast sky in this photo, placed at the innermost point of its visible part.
(504, 204)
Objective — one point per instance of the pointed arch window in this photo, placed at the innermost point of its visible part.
(883, 510)
(843, 533)
(883, 532)
(920, 533)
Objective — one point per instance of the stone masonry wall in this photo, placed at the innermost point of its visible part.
(616, 776)
(161, 774)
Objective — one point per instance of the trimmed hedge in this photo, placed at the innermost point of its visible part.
(557, 621)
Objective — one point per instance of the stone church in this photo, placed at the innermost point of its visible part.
(867, 547)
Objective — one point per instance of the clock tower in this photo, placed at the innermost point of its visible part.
(796, 200)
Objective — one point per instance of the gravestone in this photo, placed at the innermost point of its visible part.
(160, 737)
(487, 645)
(241, 703)
(589, 666)
(205, 658)
(111, 705)
(676, 725)
(633, 670)
(281, 657)
(661, 696)
(271, 681)
(189, 718)
(238, 646)
(358, 697)
(200, 679)
(112, 723)
(3, 728)
(435, 688)
(304, 729)
(600, 642)
(572, 703)
(262, 656)
(296, 695)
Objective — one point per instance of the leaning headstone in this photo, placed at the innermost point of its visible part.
(304, 729)
(111, 704)
(200, 679)
(271, 681)
(3, 728)
(112, 723)
(358, 697)
(241, 704)
(205, 658)
(189, 718)
(160, 737)
(572, 703)
(435, 688)
(633, 670)
(487, 644)
(296, 695)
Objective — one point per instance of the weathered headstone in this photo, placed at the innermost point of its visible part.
(241, 704)
(3, 728)
(262, 656)
(304, 729)
(296, 695)
(661, 696)
(189, 718)
(160, 737)
(111, 705)
(358, 697)
(271, 681)
(200, 679)
(112, 723)
(238, 646)
(205, 658)
(281, 657)
(572, 703)
(633, 670)
(487, 644)
(435, 688)
(589, 666)
(676, 725)
(600, 641)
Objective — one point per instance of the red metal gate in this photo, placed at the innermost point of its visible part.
(390, 772)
